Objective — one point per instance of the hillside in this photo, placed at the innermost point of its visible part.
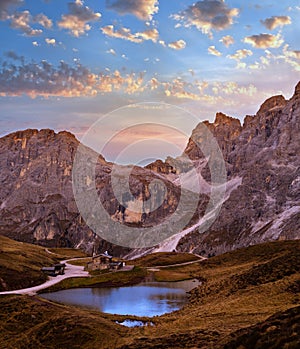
(21, 263)
(250, 298)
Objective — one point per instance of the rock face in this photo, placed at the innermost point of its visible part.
(36, 196)
(265, 153)
(263, 191)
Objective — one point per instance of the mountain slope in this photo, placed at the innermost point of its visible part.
(37, 204)
(264, 154)
(261, 202)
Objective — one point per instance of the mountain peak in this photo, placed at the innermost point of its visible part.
(223, 119)
(272, 102)
(297, 90)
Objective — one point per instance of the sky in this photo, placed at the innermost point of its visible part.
(65, 65)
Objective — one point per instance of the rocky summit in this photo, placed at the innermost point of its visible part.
(262, 199)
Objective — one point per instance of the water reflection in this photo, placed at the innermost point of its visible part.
(146, 299)
(134, 323)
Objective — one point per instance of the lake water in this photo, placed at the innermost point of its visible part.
(145, 299)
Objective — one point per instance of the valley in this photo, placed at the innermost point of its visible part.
(242, 294)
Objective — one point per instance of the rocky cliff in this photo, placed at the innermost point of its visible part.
(262, 200)
(265, 154)
(36, 197)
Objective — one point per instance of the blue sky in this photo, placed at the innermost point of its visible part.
(64, 64)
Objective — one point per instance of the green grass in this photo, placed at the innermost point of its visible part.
(21, 263)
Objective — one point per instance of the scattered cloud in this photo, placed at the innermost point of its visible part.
(149, 34)
(227, 40)
(291, 53)
(162, 43)
(142, 9)
(112, 52)
(78, 18)
(21, 21)
(276, 21)
(177, 45)
(126, 34)
(213, 51)
(43, 79)
(264, 40)
(233, 88)
(50, 41)
(14, 56)
(122, 33)
(291, 57)
(240, 54)
(35, 43)
(291, 8)
(43, 20)
(286, 58)
(207, 15)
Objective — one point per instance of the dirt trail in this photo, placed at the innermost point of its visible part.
(70, 272)
(158, 267)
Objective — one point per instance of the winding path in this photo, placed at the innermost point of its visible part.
(71, 271)
(158, 267)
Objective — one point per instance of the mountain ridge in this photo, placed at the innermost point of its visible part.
(35, 207)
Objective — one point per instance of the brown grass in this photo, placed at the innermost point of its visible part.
(231, 309)
(104, 279)
(163, 259)
(67, 253)
(81, 262)
(21, 263)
